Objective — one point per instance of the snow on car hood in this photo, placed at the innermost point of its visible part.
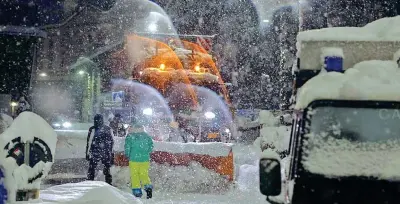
(339, 157)
(368, 80)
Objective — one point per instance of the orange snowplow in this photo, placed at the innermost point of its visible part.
(214, 156)
(164, 66)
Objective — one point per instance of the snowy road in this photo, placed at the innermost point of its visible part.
(245, 191)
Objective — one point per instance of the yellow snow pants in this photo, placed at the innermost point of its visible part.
(139, 174)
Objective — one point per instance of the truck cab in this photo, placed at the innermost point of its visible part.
(345, 133)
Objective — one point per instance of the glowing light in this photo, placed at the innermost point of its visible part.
(67, 124)
(43, 74)
(148, 111)
(13, 104)
(162, 66)
(197, 68)
(152, 27)
(81, 72)
(209, 115)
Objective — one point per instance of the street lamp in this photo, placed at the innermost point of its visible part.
(43, 74)
(13, 104)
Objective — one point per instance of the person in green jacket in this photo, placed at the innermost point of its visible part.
(138, 146)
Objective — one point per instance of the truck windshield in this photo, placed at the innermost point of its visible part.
(353, 142)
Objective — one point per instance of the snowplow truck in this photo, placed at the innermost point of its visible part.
(187, 77)
(180, 73)
(345, 127)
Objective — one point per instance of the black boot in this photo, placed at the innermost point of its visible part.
(149, 193)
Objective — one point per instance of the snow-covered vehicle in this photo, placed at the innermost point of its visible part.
(183, 72)
(345, 135)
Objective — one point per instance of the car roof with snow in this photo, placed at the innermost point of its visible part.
(369, 73)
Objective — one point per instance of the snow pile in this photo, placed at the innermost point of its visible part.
(396, 56)
(272, 135)
(339, 157)
(368, 80)
(379, 30)
(177, 179)
(269, 154)
(248, 179)
(215, 149)
(5, 122)
(89, 192)
(266, 118)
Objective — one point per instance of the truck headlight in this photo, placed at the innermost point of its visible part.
(56, 125)
(67, 124)
(209, 115)
(148, 111)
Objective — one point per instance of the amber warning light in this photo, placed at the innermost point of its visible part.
(162, 66)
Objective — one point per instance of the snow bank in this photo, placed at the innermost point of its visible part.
(379, 30)
(215, 149)
(89, 192)
(5, 122)
(177, 179)
(396, 56)
(368, 80)
(339, 157)
(248, 179)
(277, 138)
(266, 118)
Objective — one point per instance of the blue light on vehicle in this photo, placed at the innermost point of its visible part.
(334, 64)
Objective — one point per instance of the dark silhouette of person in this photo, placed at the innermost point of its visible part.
(117, 126)
(99, 148)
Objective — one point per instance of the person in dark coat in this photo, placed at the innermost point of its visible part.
(99, 148)
(118, 126)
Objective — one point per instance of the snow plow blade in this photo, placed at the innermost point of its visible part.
(217, 157)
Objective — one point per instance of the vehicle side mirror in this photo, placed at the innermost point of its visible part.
(270, 177)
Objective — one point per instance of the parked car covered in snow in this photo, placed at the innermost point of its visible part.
(345, 134)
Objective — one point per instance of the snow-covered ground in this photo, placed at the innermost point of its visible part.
(172, 185)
